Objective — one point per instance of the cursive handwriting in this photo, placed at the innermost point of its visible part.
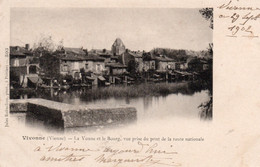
(241, 20)
(231, 6)
(148, 160)
(141, 154)
(60, 148)
(143, 148)
(70, 158)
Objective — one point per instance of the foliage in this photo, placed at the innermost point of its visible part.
(207, 13)
(14, 79)
(132, 67)
(144, 89)
(206, 109)
(180, 54)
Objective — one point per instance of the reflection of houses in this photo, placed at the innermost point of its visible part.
(130, 57)
(24, 68)
(164, 63)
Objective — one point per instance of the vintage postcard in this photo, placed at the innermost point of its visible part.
(130, 83)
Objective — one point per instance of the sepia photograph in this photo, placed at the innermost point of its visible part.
(93, 69)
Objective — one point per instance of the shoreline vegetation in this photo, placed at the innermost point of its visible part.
(141, 90)
(134, 91)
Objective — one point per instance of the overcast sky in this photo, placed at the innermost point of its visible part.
(139, 28)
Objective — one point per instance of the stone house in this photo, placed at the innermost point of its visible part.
(194, 64)
(24, 69)
(116, 72)
(130, 56)
(71, 62)
(115, 69)
(148, 62)
(106, 54)
(163, 63)
(94, 63)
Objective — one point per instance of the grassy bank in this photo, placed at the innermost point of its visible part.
(148, 89)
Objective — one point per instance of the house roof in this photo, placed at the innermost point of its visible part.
(136, 54)
(163, 58)
(74, 50)
(19, 51)
(76, 57)
(149, 57)
(102, 52)
(116, 65)
(72, 57)
(114, 57)
(93, 57)
(193, 60)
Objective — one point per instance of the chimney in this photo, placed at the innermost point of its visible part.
(27, 46)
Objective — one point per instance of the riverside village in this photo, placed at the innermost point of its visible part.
(105, 72)
(67, 67)
(102, 73)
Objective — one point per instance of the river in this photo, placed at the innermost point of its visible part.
(176, 106)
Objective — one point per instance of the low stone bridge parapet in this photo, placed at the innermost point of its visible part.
(69, 116)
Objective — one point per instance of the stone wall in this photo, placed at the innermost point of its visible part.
(68, 116)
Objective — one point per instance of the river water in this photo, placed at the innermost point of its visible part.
(182, 105)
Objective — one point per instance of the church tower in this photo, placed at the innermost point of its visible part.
(118, 48)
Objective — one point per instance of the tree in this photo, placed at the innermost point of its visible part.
(132, 67)
(206, 108)
(207, 13)
(46, 45)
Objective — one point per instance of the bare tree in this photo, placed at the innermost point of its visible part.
(46, 45)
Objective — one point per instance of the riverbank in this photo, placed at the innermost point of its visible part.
(140, 90)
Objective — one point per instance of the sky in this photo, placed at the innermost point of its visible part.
(97, 28)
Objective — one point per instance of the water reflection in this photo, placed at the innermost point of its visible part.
(182, 104)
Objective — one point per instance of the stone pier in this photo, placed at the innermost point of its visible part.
(68, 116)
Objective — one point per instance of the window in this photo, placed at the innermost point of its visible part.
(76, 65)
(65, 68)
(98, 67)
(32, 69)
(16, 62)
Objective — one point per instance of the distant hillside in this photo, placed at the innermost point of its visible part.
(181, 54)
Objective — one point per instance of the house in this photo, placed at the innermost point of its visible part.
(194, 64)
(95, 64)
(72, 62)
(116, 72)
(182, 65)
(163, 63)
(115, 69)
(131, 56)
(205, 65)
(118, 47)
(148, 62)
(106, 54)
(24, 69)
